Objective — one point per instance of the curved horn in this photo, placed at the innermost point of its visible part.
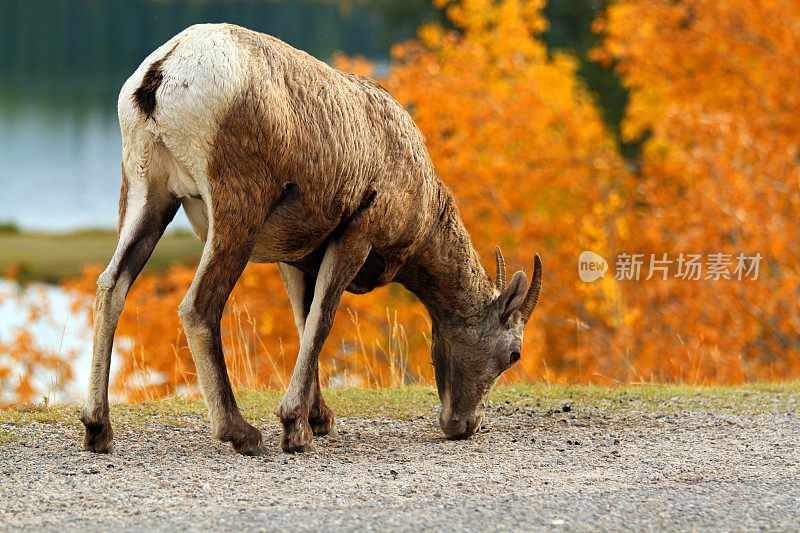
(500, 279)
(532, 296)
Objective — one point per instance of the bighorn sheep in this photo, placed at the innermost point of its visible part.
(277, 157)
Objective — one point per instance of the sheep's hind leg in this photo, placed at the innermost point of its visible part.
(141, 226)
(224, 257)
(300, 288)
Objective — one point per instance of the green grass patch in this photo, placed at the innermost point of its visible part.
(52, 257)
(412, 401)
(402, 402)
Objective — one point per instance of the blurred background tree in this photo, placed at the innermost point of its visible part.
(714, 97)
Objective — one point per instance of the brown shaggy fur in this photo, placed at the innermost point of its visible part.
(322, 145)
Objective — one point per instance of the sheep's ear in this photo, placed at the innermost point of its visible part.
(511, 298)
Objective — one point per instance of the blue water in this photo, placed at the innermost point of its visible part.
(59, 174)
(61, 67)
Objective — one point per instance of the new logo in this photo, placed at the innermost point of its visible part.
(591, 266)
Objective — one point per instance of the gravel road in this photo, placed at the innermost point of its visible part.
(530, 468)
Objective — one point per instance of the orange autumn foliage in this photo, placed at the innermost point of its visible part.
(259, 336)
(518, 137)
(714, 89)
(29, 368)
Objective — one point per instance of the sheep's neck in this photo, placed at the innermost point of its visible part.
(447, 274)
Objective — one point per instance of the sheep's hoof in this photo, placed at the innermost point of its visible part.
(322, 421)
(298, 448)
(244, 438)
(98, 437)
(297, 435)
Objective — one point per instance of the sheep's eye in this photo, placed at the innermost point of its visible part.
(514, 357)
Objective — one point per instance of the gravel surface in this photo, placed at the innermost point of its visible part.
(529, 468)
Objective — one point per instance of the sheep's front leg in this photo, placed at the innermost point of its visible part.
(342, 260)
(300, 288)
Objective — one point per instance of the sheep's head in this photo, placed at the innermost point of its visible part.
(469, 359)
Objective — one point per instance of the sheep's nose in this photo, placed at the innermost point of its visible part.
(456, 428)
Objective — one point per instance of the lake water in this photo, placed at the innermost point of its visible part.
(62, 64)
